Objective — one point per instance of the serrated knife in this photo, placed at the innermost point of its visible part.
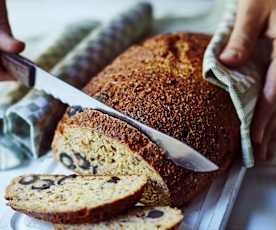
(33, 76)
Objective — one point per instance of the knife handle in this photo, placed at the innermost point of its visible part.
(20, 67)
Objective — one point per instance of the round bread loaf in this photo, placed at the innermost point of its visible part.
(159, 83)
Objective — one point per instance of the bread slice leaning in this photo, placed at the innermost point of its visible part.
(139, 218)
(74, 199)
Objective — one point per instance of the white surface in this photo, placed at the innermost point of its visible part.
(256, 204)
(38, 17)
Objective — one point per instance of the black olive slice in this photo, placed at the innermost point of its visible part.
(67, 160)
(66, 177)
(28, 180)
(74, 110)
(94, 169)
(43, 184)
(82, 161)
(114, 180)
(155, 214)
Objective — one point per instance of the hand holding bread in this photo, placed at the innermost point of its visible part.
(256, 19)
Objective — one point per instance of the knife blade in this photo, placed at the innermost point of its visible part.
(33, 76)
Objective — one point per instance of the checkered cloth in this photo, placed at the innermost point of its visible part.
(243, 84)
(63, 42)
(102, 45)
(32, 121)
(10, 93)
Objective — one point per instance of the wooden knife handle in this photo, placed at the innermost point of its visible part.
(20, 67)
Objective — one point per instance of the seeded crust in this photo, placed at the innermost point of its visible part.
(159, 83)
(161, 218)
(70, 214)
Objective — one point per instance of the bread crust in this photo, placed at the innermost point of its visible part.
(173, 175)
(173, 225)
(59, 227)
(85, 215)
(147, 83)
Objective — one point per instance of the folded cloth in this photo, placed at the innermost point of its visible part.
(11, 154)
(10, 93)
(12, 151)
(243, 84)
(37, 114)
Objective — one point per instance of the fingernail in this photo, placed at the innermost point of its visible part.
(261, 136)
(230, 54)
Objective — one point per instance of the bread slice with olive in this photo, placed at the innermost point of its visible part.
(74, 199)
(138, 218)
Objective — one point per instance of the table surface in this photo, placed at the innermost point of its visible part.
(256, 203)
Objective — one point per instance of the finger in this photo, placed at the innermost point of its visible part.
(271, 153)
(271, 30)
(5, 76)
(249, 22)
(266, 103)
(261, 150)
(7, 42)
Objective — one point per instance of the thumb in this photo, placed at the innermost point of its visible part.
(7, 42)
(265, 107)
(250, 19)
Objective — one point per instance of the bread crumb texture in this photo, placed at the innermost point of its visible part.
(74, 199)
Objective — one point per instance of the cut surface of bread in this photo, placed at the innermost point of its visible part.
(138, 218)
(73, 198)
(159, 83)
(93, 153)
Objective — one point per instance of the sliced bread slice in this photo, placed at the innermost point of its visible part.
(74, 199)
(138, 218)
